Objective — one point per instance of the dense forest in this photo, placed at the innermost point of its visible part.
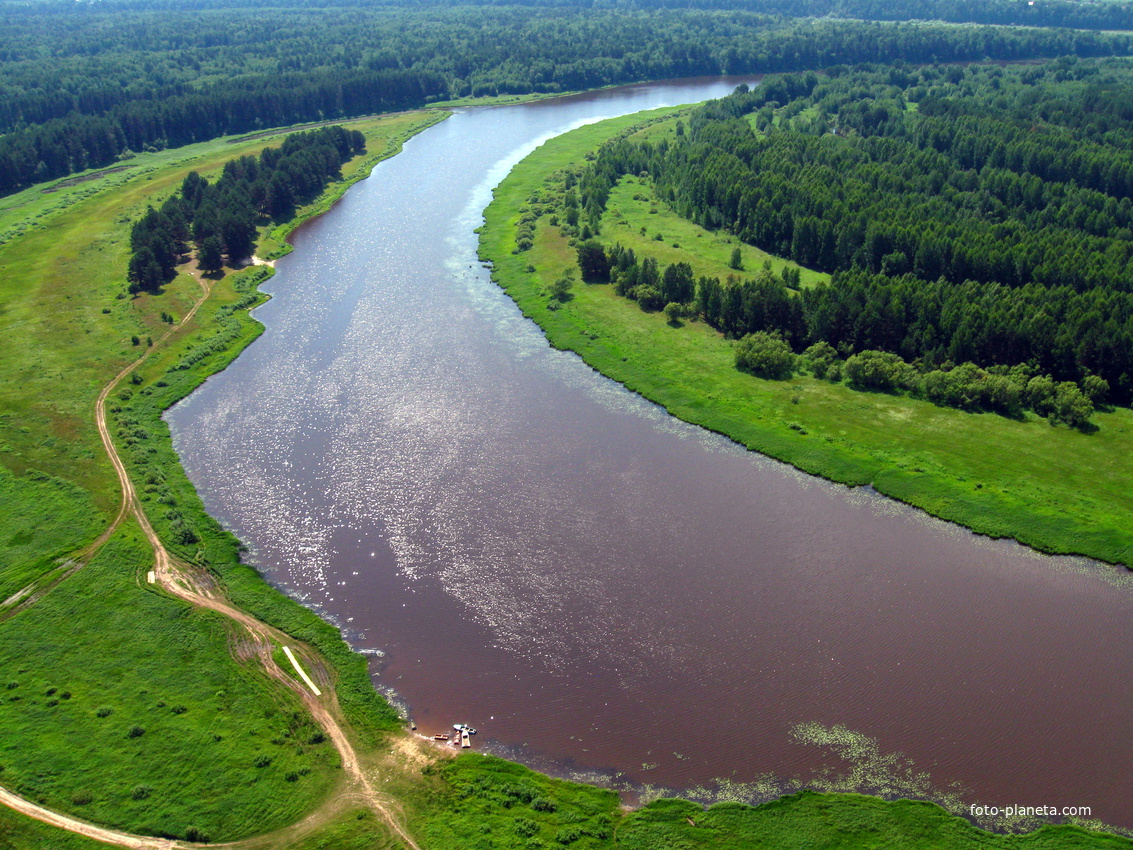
(979, 216)
(84, 85)
(222, 217)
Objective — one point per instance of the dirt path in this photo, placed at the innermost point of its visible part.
(37, 590)
(197, 588)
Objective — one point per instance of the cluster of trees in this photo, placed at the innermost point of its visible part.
(991, 226)
(772, 319)
(1002, 389)
(77, 89)
(222, 218)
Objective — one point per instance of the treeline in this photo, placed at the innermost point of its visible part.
(222, 218)
(77, 91)
(843, 336)
(1050, 13)
(996, 228)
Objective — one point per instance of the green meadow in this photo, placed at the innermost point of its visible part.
(126, 707)
(1053, 488)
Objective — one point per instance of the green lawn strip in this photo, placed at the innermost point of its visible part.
(842, 821)
(479, 801)
(476, 801)
(125, 707)
(19, 832)
(1056, 489)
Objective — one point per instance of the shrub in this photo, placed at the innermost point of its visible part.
(1039, 395)
(1071, 406)
(648, 297)
(560, 289)
(568, 835)
(879, 370)
(819, 357)
(765, 355)
(1095, 389)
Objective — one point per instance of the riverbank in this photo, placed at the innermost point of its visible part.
(148, 718)
(1055, 489)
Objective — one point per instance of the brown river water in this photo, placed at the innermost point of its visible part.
(604, 591)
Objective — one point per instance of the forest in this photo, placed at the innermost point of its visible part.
(84, 86)
(222, 218)
(977, 222)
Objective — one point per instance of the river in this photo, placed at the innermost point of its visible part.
(604, 591)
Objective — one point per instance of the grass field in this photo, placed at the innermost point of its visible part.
(125, 707)
(1057, 489)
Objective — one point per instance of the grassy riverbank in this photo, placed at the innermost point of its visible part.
(1057, 489)
(122, 705)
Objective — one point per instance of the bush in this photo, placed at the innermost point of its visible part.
(542, 804)
(568, 835)
(766, 355)
(560, 289)
(1095, 389)
(879, 370)
(648, 297)
(819, 357)
(195, 835)
(1071, 406)
(1039, 395)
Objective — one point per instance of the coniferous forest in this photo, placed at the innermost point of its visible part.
(83, 85)
(222, 218)
(976, 217)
